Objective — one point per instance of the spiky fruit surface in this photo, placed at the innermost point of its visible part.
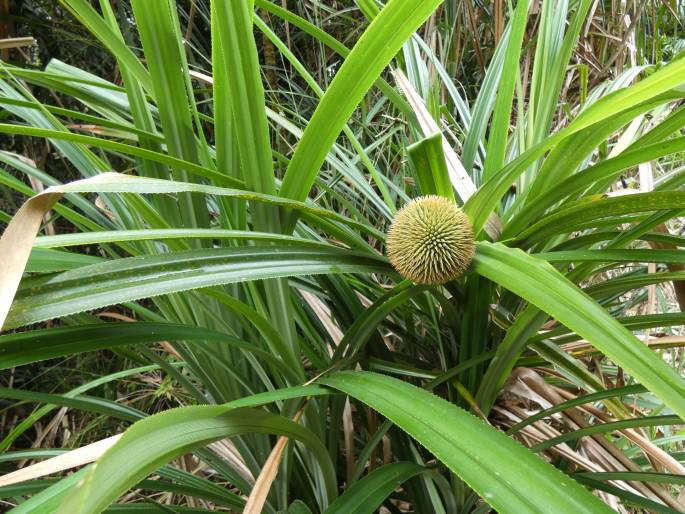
(430, 241)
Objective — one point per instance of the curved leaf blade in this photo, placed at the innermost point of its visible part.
(375, 49)
(36, 345)
(366, 495)
(155, 441)
(539, 283)
(133, 278)
(483, 457)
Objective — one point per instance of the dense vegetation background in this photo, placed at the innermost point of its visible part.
(264, 282)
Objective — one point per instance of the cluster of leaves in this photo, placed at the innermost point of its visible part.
(244, 233)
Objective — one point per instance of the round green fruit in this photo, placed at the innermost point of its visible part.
(430, 241)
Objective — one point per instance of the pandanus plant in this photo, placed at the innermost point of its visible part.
(499, 369)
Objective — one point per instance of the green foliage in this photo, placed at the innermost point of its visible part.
(260, 155)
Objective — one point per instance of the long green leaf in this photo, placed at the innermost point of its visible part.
(645, 93)
(36, 345)
(580, 181)
(157, 440)
(543, 286)
(605, 255)
(158, 27)
(499, 128)
(82, 402)
(597, 207)
(603, 428)
(378, 45)
(48, 500)
(123, 280)
(366, 495)
(85, 13)
(119, 236)
(244, 94)
(581, 400)
(483, 457)
(125, 149)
